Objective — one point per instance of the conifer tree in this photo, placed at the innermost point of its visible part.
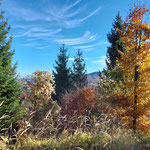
(9, 86)
(116, 43)
(62, 75)
(79, 76)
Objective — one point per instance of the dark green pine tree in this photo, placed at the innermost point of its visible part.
(62, 74)
(9, 86)
(79, 76)
(115, 43)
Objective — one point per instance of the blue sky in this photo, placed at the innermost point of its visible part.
(39, 27)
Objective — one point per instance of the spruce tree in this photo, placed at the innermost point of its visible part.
(115, 43)
(79, 76)
(9, 86)
(62, 75)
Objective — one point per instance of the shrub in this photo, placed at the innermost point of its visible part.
(78, 102)
(119, 140)
(77, 107)
(41, 110)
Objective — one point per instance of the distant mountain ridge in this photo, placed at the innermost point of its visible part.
(93, 78)
(94, 73)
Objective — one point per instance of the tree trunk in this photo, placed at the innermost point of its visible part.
(135, 98)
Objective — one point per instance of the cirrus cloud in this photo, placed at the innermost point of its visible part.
(86, 38)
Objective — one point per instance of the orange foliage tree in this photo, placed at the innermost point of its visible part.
(135, 65)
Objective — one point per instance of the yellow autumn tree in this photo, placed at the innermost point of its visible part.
(135, 65)
(38, 88)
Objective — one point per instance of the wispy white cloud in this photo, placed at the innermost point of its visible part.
(52, 18)
(35, 45)
(91, 14)
(20, 26)
(102, 57)
(24, 14)
(71, 5)
(89, 49)
(29, 44)
(100, 61)
(42, 47)
(36, 32)
(75, 12)
(71, 23)
(60, 16)
(71, 59)
(91, 46)
(86, 38)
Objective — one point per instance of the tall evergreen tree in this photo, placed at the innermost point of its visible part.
(62, 75)
(115, 40)
(9, 86)
(79, 76)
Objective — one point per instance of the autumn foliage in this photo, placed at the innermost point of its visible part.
(41, 110)
(134, 63)
(79, 102)
(37, 89)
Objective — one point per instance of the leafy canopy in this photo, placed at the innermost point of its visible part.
(134, 64)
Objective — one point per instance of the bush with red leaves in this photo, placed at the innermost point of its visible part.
(78, 102)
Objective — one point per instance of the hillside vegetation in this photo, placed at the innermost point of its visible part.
(59, 111)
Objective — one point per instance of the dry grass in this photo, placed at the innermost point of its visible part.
(89, 134)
